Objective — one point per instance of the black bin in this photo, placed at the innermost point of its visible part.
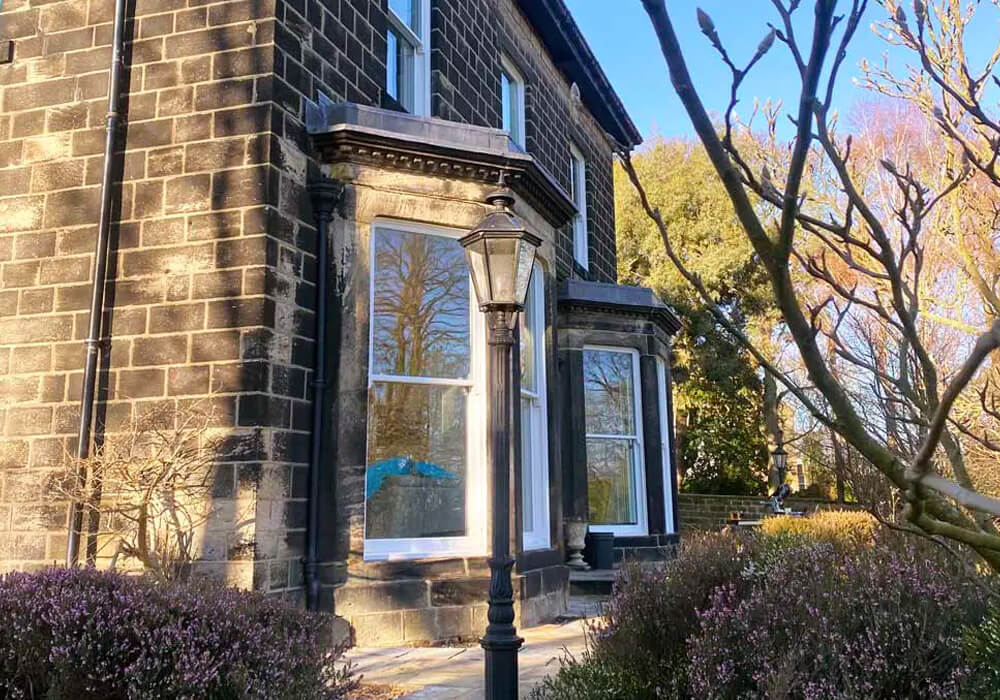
(600, 550)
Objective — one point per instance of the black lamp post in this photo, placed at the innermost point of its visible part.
(780, 458)
(501, 252)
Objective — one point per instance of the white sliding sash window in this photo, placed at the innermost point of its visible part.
(534, 421)
(424, 480)
(616, 489)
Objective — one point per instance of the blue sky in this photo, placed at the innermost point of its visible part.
(622, 38)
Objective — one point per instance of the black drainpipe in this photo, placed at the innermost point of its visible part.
(100, 276)
(325, 195)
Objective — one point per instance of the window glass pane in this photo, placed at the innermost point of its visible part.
(574, 167)
(529, 381)
(579, 189)
(609, 392)
(408, 12)
(392, 65)
(528, 466)
(610, 481)
(506, 103)
(399, 74)
(420, 319)
(416, 476)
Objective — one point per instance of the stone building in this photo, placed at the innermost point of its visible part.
(414, 108)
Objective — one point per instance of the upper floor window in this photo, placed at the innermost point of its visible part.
(512, 101)
(578, 190)
(407, 77)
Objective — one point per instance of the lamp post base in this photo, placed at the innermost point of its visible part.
(501, 666)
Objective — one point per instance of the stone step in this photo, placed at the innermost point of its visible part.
(595, 582)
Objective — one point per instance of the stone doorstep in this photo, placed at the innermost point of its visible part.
(593, 582)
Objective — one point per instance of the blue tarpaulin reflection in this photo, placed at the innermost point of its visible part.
(399, 466)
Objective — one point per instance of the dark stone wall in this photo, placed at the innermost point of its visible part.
(469, 37)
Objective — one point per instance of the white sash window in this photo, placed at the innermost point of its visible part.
(616, 488)
(534, 421)
(424, 481)
(407, 60)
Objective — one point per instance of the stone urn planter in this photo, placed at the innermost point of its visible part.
(576, 535)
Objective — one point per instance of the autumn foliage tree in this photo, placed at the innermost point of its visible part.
(878, 248)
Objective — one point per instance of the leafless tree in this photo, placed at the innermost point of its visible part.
(849, 257)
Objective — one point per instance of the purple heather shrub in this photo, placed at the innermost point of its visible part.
(820, 624)
(91, 634)
(789, 616)
(637, 650)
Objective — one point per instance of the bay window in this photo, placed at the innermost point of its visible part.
(615, 474)
(424, 481)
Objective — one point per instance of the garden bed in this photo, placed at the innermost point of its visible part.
(830, 606)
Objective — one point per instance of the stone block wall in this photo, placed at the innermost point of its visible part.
(213, 268)
(710, 512)
(207, 270)
(404, 602)
(468, 38)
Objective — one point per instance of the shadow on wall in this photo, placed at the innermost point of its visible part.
(229, 544)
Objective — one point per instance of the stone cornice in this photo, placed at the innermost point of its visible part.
(438, 148)
(614, 299)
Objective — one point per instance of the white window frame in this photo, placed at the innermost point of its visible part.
(641, 525)
(666, 456)
(474, 541)
(581, 242)
(421, 46)
(539, 537)
(515, 80)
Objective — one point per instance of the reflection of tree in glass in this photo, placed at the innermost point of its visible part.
(607, 378)
(421, 306)
(416, 454)
(420, 328)
(418, 422)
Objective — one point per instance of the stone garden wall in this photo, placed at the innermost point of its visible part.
(709, 512)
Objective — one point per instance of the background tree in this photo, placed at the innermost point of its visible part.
(718, 395)
(846, 253)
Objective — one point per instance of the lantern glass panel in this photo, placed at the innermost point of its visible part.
(502, 254)
(780, 459)
(525, 261)
(476, 255)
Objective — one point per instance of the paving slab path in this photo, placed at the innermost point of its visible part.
(456, 673)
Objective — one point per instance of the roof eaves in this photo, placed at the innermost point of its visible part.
(554, 22)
